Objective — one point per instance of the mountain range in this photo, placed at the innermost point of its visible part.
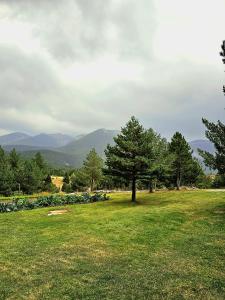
(64, 150)
(59, 149)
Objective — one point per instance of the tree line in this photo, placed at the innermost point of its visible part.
(18, 175)
(139, 158)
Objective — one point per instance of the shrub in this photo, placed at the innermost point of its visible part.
(51, 200)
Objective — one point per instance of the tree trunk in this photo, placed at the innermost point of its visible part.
(178, 183)
(92, 184)
(150, 187)
(134, 189)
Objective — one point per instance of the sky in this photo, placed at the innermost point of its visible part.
(74, 66)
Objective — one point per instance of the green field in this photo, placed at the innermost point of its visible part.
(171, 245)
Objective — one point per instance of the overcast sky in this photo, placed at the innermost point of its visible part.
(74, 66)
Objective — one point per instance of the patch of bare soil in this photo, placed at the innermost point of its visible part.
(57, 212)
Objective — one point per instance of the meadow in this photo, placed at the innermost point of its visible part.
(170, 245)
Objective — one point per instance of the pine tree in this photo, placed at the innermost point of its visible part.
(93, 168)
(158, 158)
(14, 159)
(128, 158)
(39, 160)
(66, 178)
(6, 174)
(222, 53)
(182, 157)
(31, 177)
(216, 134)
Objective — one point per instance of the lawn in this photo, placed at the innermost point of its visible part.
(171, 245)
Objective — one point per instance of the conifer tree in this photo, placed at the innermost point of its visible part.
(93, 168)
(128, 158)
(182, 157)
(158, 158)
(216, 134)
(222, 53)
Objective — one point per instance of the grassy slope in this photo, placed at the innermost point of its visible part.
(170, 245)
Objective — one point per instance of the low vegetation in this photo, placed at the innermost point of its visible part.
(51, 200)
(170, 245)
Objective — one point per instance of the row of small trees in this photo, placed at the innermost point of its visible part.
(143, 155)
(139, 158)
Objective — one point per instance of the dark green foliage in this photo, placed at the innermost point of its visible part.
(216, 134)
(52, 200)
(6, 175)
(93, 168)
(39, 160)
(48, 186)
(182, 158)
(79, 180)
(66, 178)
(128, 159)
(219, 181)
(159, 159)
(67, 188)
(193, 173)
(222, 53)
(14, 160)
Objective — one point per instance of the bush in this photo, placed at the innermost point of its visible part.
(51, 200)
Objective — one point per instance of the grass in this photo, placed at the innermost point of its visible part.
(171, 245)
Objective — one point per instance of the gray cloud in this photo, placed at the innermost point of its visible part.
(93, 64)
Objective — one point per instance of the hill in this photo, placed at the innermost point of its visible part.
(205, 145)
(46, 140)
(97, 139)
(13, 138)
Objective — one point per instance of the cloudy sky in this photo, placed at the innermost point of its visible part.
(73, 66)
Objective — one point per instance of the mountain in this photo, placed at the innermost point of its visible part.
(13, 138)
(44, 140)
(97, 139)
(205, 145)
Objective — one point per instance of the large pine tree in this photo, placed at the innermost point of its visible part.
(128, 158)
(222, 53)
(216, 134)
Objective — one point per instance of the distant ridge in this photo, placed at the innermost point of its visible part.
(62, 150)
(204, 145)
(97, 139)
(12, 138)
(46, 140)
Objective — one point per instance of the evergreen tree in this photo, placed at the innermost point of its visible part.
(93, 168)
(79, 180)
(15, 165)
(6, 174)
(66, 183)
(66, 178)
(158, 158)
(182, 157)
(216, 134)
(128, 158)
(222, 53)
(14, 159)
(40, 162)
(31, 177)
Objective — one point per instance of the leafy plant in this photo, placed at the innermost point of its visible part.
(51, 200)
